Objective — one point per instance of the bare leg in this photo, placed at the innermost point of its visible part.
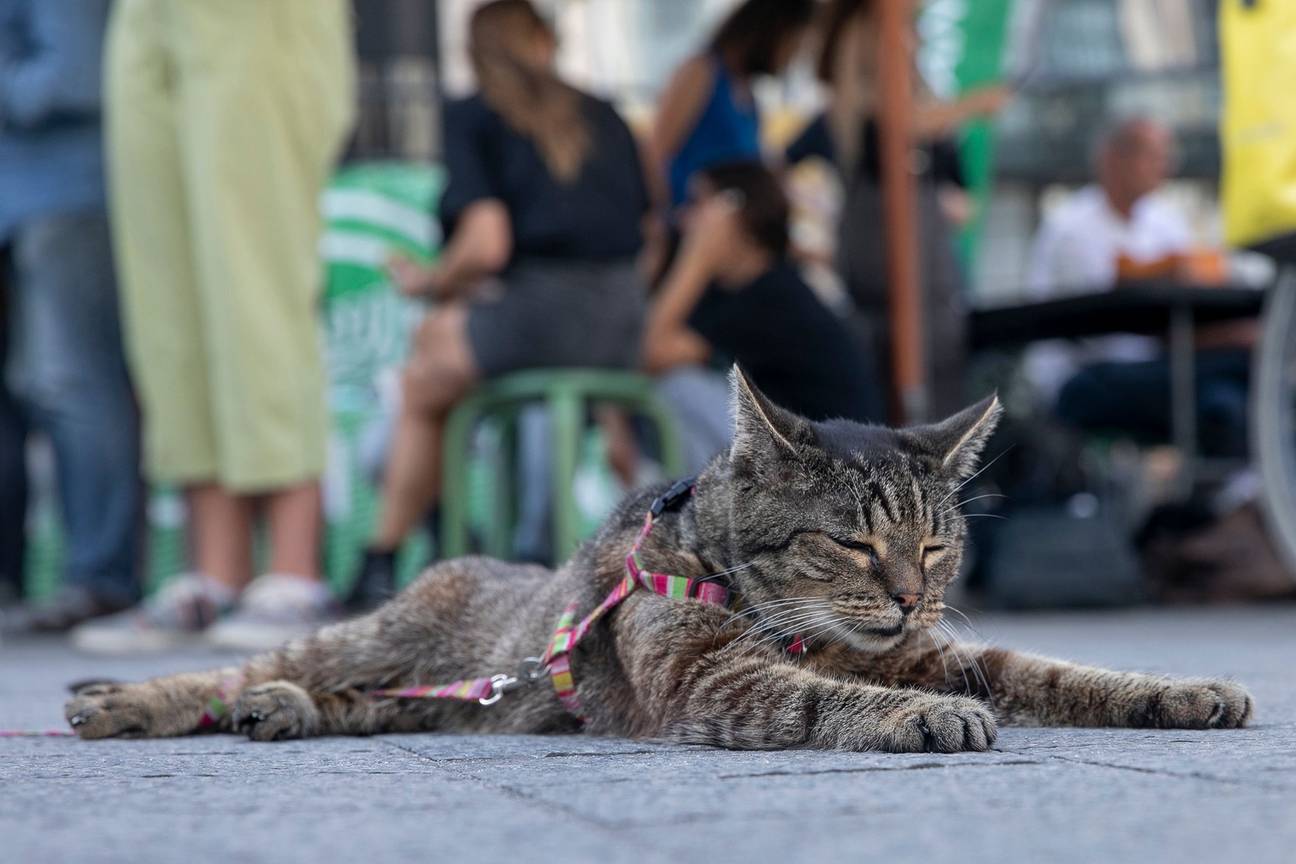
(441, 371)
(622, 449)
(412, 478)
(294, 516)
(222, 534)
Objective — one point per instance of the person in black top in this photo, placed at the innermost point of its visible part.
(734, 296)
(543, 211)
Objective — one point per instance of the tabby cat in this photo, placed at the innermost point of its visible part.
(841, 535)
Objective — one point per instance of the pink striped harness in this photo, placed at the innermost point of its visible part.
(556, 661)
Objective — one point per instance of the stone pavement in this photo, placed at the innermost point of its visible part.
(1043, 795)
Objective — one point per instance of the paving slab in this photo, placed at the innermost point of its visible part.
(1043, 795)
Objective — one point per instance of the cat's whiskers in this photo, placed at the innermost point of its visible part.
(838, 629)
(963, 615)
(806, 630)
(954, 637)
(934, 632)
(858, 626)
(958, 504)
(757, 610)
(983, 468)
(778, 620)
(940, 652)
(800, 623)
(977, 669)
(737, 568)
(786, 624)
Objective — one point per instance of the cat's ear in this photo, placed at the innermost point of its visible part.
(760, 426)
(957, 441)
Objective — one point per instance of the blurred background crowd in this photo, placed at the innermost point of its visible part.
(299, 295)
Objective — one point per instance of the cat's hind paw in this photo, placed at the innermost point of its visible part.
(276, 711)
(1197, 704)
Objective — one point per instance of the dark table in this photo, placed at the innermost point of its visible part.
(1174, 311)
(1145, 309)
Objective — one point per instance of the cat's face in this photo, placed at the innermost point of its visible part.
(852, 532)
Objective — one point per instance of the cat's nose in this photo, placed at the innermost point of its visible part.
(906, 602)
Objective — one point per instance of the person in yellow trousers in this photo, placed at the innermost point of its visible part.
(223, 123)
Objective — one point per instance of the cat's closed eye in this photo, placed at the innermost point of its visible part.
(932, 553)
(855, 545)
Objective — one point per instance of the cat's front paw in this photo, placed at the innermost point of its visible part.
(940, 724)
(108, 711)
(1200, 703)
(275, 711)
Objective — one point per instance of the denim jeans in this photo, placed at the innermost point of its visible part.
(13, 468)
(698, 398)
(67, 370)
(1134, 398)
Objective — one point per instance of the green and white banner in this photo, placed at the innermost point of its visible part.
(963, 43)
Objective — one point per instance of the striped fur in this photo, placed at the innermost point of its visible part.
(817, 528)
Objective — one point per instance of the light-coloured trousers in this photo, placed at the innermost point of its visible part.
(224, 120)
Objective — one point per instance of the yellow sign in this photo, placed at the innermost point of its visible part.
(1258, 134)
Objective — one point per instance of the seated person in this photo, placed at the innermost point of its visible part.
(543, 210)
(733, 295)
(1118, 230)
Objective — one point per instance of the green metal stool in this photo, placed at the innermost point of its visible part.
(566, 394)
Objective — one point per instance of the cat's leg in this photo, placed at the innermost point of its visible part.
(159, 708)
(1025, 689)
(311, 686)
(755, 705)
(700, 691)
(318, 685)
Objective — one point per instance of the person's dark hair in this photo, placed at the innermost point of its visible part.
(832, 24)
(765, 209)
(753, 33)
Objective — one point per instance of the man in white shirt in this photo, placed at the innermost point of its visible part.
(1122, 382)
(1077, 249)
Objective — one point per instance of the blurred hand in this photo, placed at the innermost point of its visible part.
(990, 100)
(713, 231)
(411, 278)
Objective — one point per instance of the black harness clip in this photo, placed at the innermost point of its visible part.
(678, 491)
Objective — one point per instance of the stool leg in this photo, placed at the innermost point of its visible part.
(672, 453)
(566, 412)
(499, 534)
(454, 482)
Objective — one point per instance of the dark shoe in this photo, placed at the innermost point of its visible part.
(10, 596)
(374, 584)
(71, 606)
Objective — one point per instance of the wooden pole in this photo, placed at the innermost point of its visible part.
(895, 119)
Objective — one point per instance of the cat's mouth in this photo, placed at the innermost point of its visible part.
(884, 631)
(870, 638)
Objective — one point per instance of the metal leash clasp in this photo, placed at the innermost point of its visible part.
(530, 670)
(500, 684)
